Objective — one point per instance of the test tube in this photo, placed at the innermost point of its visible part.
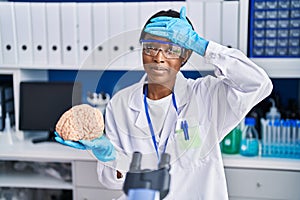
(264, 127)
(287, 144)
(273, 137)
(269, 138)
(298, 139)
(282, 139)
(288, 137)
(277, 136)
(293, 137)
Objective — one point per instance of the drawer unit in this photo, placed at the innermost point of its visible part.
(86, 174)
(262, 184)
(96, 194)
(87, 185)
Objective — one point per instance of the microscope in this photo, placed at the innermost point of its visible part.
(147, 184)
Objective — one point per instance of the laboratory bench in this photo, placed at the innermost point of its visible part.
(247, 177)
(83, 184)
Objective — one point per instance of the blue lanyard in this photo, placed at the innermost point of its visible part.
(150, 122)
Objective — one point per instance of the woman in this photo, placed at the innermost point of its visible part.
(163, 99)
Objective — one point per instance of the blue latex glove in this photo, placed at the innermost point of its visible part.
(179, 31)
(101, 147)
(70, 143)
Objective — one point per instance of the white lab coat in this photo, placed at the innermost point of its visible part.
(212, 106)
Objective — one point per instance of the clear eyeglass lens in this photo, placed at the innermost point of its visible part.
(169, 51)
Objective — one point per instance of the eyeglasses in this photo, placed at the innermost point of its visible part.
(169, 49)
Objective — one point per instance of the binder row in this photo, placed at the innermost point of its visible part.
(96, 35)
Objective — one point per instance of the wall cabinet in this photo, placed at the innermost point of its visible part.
(101, 45)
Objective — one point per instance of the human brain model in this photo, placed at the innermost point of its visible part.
(81, 122)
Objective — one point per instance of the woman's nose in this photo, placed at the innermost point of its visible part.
(159, 58)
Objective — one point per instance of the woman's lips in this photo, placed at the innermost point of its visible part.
(159, 69)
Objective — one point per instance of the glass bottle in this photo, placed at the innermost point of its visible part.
(231, 142)
(249, 142)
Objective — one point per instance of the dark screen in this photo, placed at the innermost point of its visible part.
(42, 103)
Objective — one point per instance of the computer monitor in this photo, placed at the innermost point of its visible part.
(43, 103)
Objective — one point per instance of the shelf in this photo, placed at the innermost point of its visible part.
(280, 67)
(275, 67)
(194, 64)
(258, 162)
(32, 180)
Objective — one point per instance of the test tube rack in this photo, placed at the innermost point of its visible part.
(281, 138)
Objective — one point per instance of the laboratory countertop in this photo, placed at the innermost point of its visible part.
(258, 162)
(52, 151)
(44, 151)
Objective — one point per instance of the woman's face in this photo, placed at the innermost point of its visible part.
(159, 68)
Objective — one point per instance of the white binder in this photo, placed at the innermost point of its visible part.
(84, 13)
(195, 12)
(38, 18)
(100, 35)
(8, 33)
(53, 23)
(164, 5)
(176, 5)
(116, 34)
(212, 21)
(147, 9)
(230, 24)
(24, 34)
(131, 16)
(132, 33)
(1, 56)
(116, 38)
(69, 33)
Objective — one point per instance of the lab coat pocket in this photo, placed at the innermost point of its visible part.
(192, 141)
(190, 149)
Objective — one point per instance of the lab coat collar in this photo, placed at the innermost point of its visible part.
(181, 90)
(136, 101)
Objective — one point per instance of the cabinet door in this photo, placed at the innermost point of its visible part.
(96, 194)
(262, 184)
(86, 174)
